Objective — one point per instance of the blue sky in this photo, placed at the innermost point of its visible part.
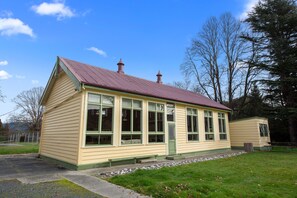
(148, 36)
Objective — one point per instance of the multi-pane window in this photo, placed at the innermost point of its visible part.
(263, 128)
(131, 121)
(170, 112)
(99, 129)
(208, 124)
(222, 126)
(192, 125)
(156, 122)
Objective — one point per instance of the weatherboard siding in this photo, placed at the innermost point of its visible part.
(99, 154)
(61, 122)
(247, 131)
(61, 91)
(185, 146)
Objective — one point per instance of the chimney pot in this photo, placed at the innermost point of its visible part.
(159, 78)
(120, 67)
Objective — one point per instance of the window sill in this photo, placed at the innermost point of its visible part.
(127, 145)
(155, 143)
(97, 146)
(193, 141)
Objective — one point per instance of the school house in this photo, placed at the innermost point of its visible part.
(94, 116)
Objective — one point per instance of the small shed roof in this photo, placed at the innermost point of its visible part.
(103, 78)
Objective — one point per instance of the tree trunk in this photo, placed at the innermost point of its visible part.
(292, 130)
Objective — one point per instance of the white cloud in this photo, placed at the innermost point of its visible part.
(98, 51)
(57, 9)
(2, 63)
(4, 75)
(35, 82)
(249, 5)
(20, 77)
(13, 26)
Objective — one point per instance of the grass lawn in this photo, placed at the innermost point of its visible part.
(21, 148)
(259, 174)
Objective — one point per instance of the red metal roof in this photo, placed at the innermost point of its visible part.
(99, 77)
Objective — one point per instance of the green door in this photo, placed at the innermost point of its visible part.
(171, 141)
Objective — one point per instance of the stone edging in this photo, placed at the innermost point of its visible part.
(169, 164)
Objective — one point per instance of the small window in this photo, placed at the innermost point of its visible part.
(99, 127)
(192, 124)
(170, 112)
(156, 122)
(208, 124)
(263, 128)
(222, 126)
(131, 121)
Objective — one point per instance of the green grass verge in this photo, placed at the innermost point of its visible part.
(259, 174)
(20, 149)
(284, 149)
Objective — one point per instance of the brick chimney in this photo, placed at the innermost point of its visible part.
(121, 67)
(159, 78)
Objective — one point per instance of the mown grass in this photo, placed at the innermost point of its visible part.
(20, 149)
(259, 174)
(284, 149)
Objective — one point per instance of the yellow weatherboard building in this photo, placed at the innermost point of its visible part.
(94, 117)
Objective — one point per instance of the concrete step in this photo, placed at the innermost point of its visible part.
(147, 160)
(175, 157)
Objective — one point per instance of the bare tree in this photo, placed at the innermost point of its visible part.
(218, 60)
(1, 96)
(31, 111)
(202, 60)
(186, 84)
(233, 47)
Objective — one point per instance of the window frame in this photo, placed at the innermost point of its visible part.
(131, 132)
(222, 122)
(208, 118)
(99, 132)
(156, 132)
(265, 133)
(192, 123)
(174, 114)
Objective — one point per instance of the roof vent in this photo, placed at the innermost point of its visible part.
(121, 67)
(159, 78)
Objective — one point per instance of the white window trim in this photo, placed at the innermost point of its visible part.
(142, 119)
(165, 133)
(186, 127)
(85, 120)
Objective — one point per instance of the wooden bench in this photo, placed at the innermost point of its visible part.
(136, 159)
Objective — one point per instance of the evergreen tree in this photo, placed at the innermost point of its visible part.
(274, 24)
(255, 104)
(1, 125)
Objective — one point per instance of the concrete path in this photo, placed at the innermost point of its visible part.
(101, 187)
(29, 169)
